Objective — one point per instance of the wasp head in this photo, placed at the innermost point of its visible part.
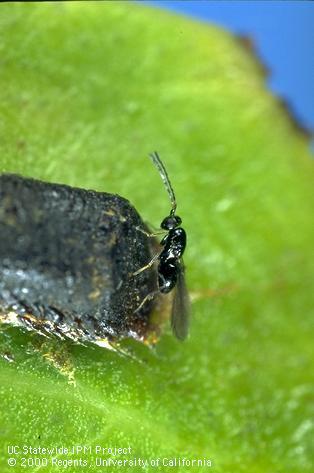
(170, 222)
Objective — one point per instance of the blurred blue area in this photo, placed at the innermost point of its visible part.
(283, 35)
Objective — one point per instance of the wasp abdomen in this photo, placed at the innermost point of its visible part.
(167, 276)
(174, 244)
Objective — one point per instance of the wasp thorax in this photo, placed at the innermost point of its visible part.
(170, 222)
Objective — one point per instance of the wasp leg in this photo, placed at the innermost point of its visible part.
(147, 266)
(150, 235)
(147, 298)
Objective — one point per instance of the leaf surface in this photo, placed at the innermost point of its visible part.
(87, 90)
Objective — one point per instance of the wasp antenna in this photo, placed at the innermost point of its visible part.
(164, 176)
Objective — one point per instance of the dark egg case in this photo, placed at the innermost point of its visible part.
(66, 261)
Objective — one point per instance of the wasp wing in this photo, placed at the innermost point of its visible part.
(180, 307)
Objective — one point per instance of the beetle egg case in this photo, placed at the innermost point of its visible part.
(67, 258)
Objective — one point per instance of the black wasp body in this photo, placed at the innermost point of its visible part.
(170, 265)
(174, 244)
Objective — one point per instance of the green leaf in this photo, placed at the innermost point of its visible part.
(87, 90)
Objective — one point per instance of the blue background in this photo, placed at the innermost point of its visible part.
(283, 34)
